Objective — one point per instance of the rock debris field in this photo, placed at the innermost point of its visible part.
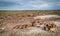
(40, 25)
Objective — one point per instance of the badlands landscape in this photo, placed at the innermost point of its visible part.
(30, 23)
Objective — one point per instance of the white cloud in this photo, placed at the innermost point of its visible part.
(40, 6)
(36, 1)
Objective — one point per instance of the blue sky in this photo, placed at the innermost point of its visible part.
(29, 4)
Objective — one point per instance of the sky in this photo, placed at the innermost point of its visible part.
(29, 4)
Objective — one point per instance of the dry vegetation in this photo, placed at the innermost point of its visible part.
(22, 23)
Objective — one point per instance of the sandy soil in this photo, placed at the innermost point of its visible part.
(8, 23)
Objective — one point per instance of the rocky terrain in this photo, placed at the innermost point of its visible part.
(29, 23)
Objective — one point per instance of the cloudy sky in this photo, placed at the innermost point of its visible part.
(29, 4)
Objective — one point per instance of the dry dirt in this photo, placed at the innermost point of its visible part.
(7, 21)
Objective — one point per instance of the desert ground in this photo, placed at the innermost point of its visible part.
(30, 23)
